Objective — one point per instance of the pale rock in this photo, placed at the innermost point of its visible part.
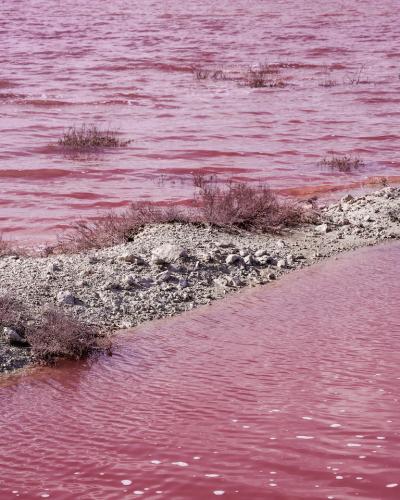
(54, 267)
(250, 260)
(260, 253)
(66, 297)
(281, 264)
(233, 258)
(167, 253)
(322, 228)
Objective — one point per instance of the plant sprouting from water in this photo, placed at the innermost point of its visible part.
(90, 137)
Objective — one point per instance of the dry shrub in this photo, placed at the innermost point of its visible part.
(5, 247)
(90, 137)
(346, 163)
(215, 74)
(265, 75)
(357, 77)
(328, 83)
(113, 229)
(251, 208)
(11, 313)
(61, 336)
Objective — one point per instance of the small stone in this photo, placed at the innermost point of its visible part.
(249, 260)
(93, 260)
(281, 264)
(243, 252)
(164, 277)
(260, 253)
(271, 276)
(183, 283)
(132, 258)
(347, 199)
(12, 336)
(290, 260)
(225, 244)
(111, 285)
(167, 253)
(54, 267)
(233, 258)
(66, 297)
(82, 283)
(280, 244)
(322, 228)
(130, 280)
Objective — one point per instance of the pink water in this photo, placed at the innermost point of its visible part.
(126, 65)
(290, 391)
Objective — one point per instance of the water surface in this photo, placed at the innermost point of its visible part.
(290, 391)
(127, 65)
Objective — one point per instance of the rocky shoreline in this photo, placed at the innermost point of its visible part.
(171, 268)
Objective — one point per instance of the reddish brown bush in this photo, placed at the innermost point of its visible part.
(61, 336)
(89, 137)
(245, 207)
(344, 163)
(113, 228)
(11, 313)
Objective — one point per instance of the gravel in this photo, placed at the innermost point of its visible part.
(171, 268)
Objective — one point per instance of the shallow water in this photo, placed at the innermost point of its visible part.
(127, 65)
(290, 391)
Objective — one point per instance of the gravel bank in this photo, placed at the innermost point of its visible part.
(171, 268)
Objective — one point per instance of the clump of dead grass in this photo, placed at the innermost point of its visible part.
(61, 336)
(5, 246)
(12, 313)
(258, 209)
(344, 163)
(115, 228)
(90, 137)
(262, 75)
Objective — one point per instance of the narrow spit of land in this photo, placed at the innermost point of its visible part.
(171, 268)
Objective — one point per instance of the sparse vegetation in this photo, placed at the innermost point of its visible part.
(5, 246)
(61, 336)
(211, 74)
(263, 75)
(52, 335)
(238, 205)
(11, 313)
(346, 163)
(115, 228)
(328, 83)
(232, 205)
(90, 137)
(357, 77)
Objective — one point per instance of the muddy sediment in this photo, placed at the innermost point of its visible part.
(171, 268)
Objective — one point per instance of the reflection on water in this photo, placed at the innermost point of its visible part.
(127, 65)
(290, 391)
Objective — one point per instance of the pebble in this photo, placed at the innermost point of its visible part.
(233, 258)
(66, 297)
